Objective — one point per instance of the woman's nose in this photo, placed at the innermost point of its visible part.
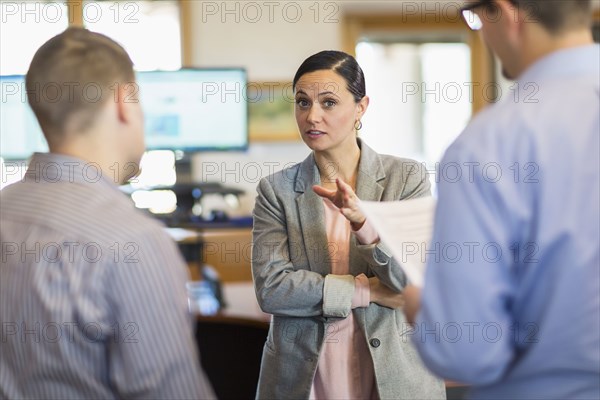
(314, 113)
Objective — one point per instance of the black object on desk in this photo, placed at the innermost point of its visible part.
(197, 190)
(189, 195)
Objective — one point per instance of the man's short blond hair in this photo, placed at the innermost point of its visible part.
(72, 76)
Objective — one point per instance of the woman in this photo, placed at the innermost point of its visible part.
(318, 266)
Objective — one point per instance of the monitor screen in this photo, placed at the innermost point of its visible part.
(189, 110)
(195, 109)
(20, 133)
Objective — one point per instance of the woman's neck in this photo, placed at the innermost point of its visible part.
(338, 163)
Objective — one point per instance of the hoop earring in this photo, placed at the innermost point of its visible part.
(359, 127)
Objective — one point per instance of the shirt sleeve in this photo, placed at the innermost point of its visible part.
(367, 234)
(362, 292)
(463, 330)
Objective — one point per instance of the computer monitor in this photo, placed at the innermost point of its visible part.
(20, 133)
(189, 109)
(195, 109)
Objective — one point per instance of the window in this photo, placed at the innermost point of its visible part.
(420, 96)
(24, 27)
(148, 30)
(426, 73)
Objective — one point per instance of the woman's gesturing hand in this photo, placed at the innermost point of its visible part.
(346, 200)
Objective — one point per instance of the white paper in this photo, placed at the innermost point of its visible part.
(406, 228)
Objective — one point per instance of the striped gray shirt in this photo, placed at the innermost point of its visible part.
(92, 295)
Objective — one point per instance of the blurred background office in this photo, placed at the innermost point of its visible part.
(228, 120)
(215, 84)
(426, 73)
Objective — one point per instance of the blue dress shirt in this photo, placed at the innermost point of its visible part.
(511, 302)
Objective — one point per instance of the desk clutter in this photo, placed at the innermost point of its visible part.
(195, 205)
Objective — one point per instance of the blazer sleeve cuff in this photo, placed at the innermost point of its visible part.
(338, 291)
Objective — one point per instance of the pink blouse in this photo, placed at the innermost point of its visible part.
(345, 369)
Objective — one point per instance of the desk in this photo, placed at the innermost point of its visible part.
(230, 353)
(231, 342)
(241, 302)
(228, 250)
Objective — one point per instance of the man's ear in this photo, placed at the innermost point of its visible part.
(125, 94)
(512, 17)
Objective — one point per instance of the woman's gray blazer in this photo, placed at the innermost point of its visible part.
(291, 270)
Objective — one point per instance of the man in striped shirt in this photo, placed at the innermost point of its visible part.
(92, 299)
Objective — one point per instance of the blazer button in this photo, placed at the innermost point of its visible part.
(375, 342)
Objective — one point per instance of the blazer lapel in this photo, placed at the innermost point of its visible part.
(370, 173)
(312, 217)
(369, 188)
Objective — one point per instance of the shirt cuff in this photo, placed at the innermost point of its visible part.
(366, 234)
(362, 292)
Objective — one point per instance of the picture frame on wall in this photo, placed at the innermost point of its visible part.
(271, 111)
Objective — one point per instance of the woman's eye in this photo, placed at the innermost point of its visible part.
(329, 103)
(302, 103)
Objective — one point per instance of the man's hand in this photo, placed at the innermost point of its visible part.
(383, 295)
(412, 297)
(346, 200)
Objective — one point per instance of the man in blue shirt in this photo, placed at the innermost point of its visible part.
(511, 301)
